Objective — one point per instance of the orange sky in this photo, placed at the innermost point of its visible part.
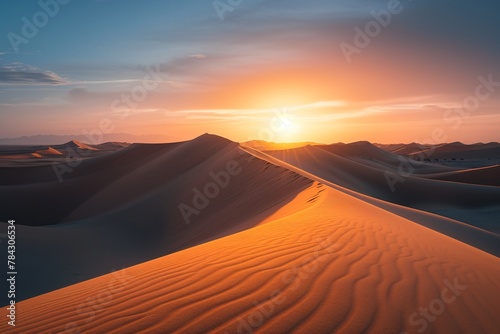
(229, 77)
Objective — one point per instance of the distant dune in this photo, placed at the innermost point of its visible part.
(78, 145)
(49, 151)
(263, 145)
(489, 175)
(404, 149)
(451, 154)
(40, 155)
(93, 139)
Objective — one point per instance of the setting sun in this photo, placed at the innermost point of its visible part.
(288, 130)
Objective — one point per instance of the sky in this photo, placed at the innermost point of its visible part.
(277, 70)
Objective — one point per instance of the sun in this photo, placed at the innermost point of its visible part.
(288, 129)
(289, 126)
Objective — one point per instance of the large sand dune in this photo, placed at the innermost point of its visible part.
(122, 209)
(326, 262)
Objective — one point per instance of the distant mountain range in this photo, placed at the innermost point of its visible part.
(61, 139)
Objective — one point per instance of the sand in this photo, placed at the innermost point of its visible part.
(285, 247)
(327, 262)
(49, 151)
(136, 191)
(367, 173)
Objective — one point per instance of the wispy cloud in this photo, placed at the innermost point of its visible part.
(319, 105)
(20, 74)
(198, 56)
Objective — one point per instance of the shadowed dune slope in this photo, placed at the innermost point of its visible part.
(362, 149)
(368, 154)
(489, 175)
(457, 149)
(325, 263)
(404, 149)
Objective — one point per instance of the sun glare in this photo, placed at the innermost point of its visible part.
(288, 130)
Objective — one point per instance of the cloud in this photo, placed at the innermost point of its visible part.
(198, 56)
(79, 93)
(187, 65)
(20, 74)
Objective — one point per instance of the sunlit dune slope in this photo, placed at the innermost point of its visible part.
(326, 262)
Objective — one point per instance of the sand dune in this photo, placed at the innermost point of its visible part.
(415, 148)
(78, 145)
(123, 208)
(474, 204)
(5, 158)
(368, 154)
(461, 147)
(49, 151)
(263, 145)
(362, 149)
(111, 146)
(404, 149)
(479, 238)
(324, 263)
(39, 156)
(489, 175)
(451, 154)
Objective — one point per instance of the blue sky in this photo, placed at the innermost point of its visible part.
(65, 78)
